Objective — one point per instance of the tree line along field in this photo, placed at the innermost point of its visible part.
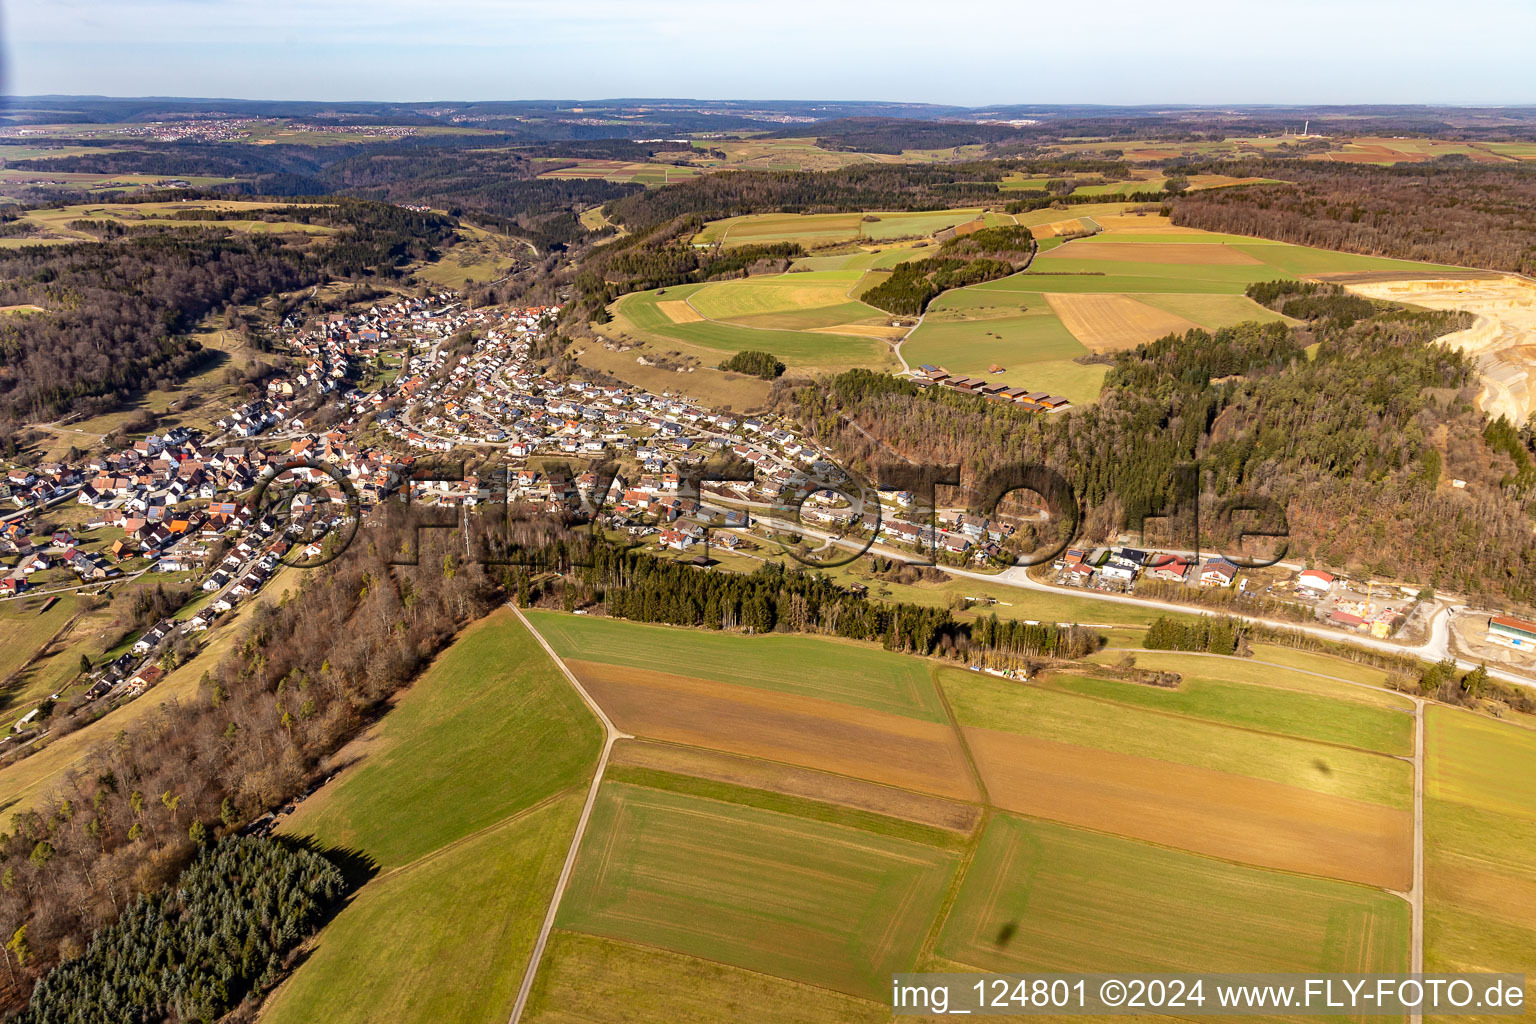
(1136, 278)
(464, 800)
(56, 225)
(798, 817)
(693, 864)
(807, 320)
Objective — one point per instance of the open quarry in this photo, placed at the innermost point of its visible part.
(1502, 341)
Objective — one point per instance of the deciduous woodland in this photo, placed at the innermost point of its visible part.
(1465, 215)
(120, 311)
(1344, 441)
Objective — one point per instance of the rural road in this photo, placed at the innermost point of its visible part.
(611, 735)
(1435, 648)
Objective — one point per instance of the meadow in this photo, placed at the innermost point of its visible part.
(464, 797)
(1479, 828)
(665, 319)
(643, 172)
(1136, 279)
(808, 901)
(1203, 741)
(1260, 704)
(1133, 279)
(798, 817)
(818, 229)
(807, 666)
(490, 730)
(55, 224)
(1044, 897)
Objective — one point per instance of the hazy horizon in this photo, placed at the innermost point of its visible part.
(971, 53)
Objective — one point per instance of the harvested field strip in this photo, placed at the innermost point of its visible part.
(863, 676)
(1110, 323)
(1213, 312)
(991, 703)
(865, 331)
(1040, 896)
(890, 749)
(1245, 699)
(802, 900)
(1213, 813)
(583, 978)
(679, 311)
(797, 782)
(798, 807)
(1186, 254)
(478, 906)
(1479, 830)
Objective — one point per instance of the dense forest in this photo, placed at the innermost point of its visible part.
(193, 949)
(981, 255)
(304, 676)
(119, 312)
(1356, 444)
(1455, 212)
(892, 135)
(647, 589)
(758, 364)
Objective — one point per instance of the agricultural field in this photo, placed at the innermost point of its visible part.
(55, 224)
(1254, 817)
(1479, 828)
(809, 320)
(482, 256)
(823, 904)
(1136, 279)
(26, 629)
(820, 229)
(464, 799)
(804, 155)
(807, 666)
(644, 172)
(1041, 896)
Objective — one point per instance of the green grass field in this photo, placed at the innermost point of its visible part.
(1479, 830)
(466, 795)
(584, 978)
(1009, 323)
(809, 666)
(968, 331)
(794, 302)
(639, 315)
(25, 629)
(1213, 311)
(807, 901)
(491, 729)
(446, 938)
(1045, 897)
(818, 229)
(987, 702)
(1264, 707)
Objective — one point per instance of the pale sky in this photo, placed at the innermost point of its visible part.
(966, 52)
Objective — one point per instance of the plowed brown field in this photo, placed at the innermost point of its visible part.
(890, 749)
(1253, 821)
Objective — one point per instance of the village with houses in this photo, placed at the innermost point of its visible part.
(404, 384)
